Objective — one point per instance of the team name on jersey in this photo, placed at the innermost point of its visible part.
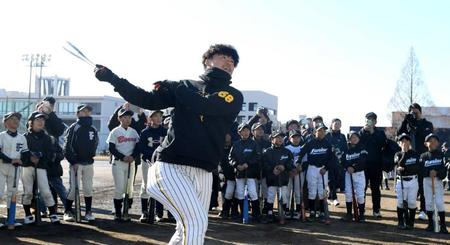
(122, 139)
(248, 150)
(284, 157)
(411, 160)
(318, 151)
(353, 156)
(433, 162)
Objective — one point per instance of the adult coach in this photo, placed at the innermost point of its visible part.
(204, 110)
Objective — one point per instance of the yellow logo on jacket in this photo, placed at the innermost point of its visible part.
(226, 96)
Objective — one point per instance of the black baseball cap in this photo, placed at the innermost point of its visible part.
(335, 120)
(11, 114)
(276, 134)
(294, 132)
(256, 125)
(290, 122)
(403, 136)
(371, 115)
(156, 111)
(415, 106)
(37, 114)
(445, 144)
(430, 136)
(316, 118)
(242, 126)
(351, 133)
(50, 100)
(320, 126)
(84, 106)
(125, 112)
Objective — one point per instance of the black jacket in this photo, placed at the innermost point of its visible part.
(203, 113)
(225, 167)
(138, 126)
(409, 161)
(40, 145)
(54, 167)
(318, 153)
(338, 142)
(433, 161)
(245, 151)
(81, 142)
(150, 138)
(272, 157)
(417, 131)
(54, 125)
(355, 156)
(374, 144)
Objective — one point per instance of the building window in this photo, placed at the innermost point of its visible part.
(252, 106)
(249, 117)
(240, 119)
(244, 106)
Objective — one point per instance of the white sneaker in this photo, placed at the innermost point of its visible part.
(329, 202)
(1, 225)
(29, 220)
(377, 215)
(296, 216)
(68, 216)
(89, 217)
(422, 216)
(54, 219)
(336, 203)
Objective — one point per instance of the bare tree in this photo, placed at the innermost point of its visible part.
(410, 87)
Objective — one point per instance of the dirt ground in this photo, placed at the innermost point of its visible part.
(105, 231)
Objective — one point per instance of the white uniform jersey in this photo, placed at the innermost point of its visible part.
(124, 139)
(295, 151)
(12, 147)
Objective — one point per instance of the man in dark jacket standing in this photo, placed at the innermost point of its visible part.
(374, 140)
(417, 128)
(204, 111)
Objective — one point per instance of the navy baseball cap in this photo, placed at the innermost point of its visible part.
(320, 126)
(403, 136)
(317, 118)
(242, 126)
(11, 114)
(276, 134)
(156, 111)
(256, 125)
(125, 112)
(294, 132)
(351, 133)
(430, 136)
(36, 115)
(84, 106)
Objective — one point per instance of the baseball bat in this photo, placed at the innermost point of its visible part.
(302, 200)
(436, 225)
(126, 200)
(404, 203)
(281, 214)
(12, 205)
(151, 211)
(245, 209)
(291, 200)
(354, 202)
(325, 202)
(77, 198)
(37, 207)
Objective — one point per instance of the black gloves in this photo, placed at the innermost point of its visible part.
(104, 74)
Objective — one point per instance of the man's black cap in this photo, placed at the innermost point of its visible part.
(403, 136)
(125, 112)
(11, 114)
(316, 118)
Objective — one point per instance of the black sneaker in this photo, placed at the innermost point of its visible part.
(430, 228)
(144, 217)
(443, 230)
(347, 217)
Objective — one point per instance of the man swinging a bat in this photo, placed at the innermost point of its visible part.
(204, 110)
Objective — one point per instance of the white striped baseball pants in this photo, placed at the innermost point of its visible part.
(186, 192)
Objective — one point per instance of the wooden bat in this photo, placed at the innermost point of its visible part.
(325, 202)
(126, 200)
(436, 225)
(77, 199)
(354, 202)
(151, 211)
(291, 200)
(37, 207)
(302, 201)
(12, 205)
(404, 203)
(281, 215)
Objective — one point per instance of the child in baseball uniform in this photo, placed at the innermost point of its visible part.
(122, 141)
(295, 182)
(81, 141)
(354, 161)
(407, 163)
(244, 157)
(13, 153)
(42, 151)
(151, 137)
(228, 172)
(278, 164)
(434, 171)
(319, 158)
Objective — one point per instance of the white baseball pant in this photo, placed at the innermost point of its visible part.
(273, 191)
(315, 183)
(144, 193)
(7, 179)
(28, 176)
(359, 184)
(439, 194)
(410, 189)
(85, 176)
(294, 183)
(229, 191)
(120, 176)
(251, 189)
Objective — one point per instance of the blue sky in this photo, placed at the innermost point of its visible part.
(334, 58)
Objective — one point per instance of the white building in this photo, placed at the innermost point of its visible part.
(253, 99)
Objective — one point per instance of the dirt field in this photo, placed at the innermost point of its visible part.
(105, 231)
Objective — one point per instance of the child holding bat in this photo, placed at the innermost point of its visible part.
(13, 152)
(244, 157)
(122, 141)
(41, 150)
(354, 161)
(278, 163)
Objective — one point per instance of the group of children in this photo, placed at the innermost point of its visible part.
(297, 169)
